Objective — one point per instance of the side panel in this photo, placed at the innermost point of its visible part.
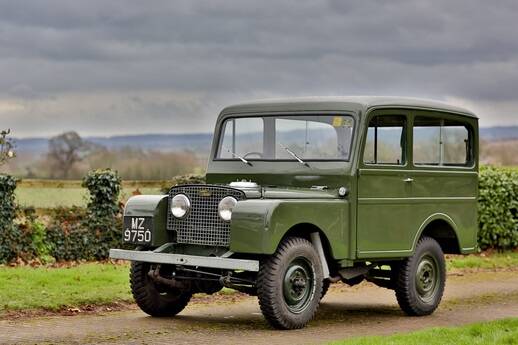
(259, 225)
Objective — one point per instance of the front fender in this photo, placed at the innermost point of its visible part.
(259, 225)
(154, 206)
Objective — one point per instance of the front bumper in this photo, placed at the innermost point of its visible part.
(185, 260)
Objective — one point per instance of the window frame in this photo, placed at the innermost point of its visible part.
(222, 126)
(442, 116)
(405, 134)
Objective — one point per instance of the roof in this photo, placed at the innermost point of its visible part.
(352, 103)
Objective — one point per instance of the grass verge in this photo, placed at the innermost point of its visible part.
(55, 288)
(506, 260)
(494, 332)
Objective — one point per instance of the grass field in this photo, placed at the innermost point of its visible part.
(494, 332)
(97, 283)
(54, 193)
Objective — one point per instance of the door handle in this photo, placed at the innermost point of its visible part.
(408, 179)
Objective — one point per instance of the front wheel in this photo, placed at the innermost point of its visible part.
(152, 298)
(421, 279)
(289, 284)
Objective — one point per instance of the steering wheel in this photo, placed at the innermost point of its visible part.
(253, 153)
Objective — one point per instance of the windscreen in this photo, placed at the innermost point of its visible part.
(286, 137)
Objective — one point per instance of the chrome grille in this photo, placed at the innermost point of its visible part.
(202, 225)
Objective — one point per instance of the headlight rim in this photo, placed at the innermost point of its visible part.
(229, 210)
(187, 206)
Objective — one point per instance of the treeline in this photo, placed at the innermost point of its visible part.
(71, 157)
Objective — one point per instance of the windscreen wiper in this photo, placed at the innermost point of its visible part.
(294, 155)
(239, 157)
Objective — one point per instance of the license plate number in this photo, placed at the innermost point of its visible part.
(137, 230)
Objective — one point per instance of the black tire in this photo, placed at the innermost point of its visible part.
(421, 279)
(289, 284)
(153, 299)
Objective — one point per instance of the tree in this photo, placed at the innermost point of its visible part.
(6, 147)
(65, 150)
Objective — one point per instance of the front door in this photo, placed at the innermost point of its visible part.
(384, 186)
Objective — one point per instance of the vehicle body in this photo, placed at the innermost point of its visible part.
(325, 189)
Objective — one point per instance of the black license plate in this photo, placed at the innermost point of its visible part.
(137, 230)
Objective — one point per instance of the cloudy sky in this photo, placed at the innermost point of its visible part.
(116, 67)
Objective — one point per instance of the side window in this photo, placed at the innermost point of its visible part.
(385, 142)
(440, 142)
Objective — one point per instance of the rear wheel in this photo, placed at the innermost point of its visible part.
(289, 284)
(152, 298)
(421, 279)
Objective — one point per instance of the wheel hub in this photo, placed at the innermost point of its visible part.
(427, 278)
(298, 285)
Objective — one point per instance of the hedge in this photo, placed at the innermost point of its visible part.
(78, 234)
(498, 208)
(71, 233)
(9, 232)
(87, 234)
(16, 238)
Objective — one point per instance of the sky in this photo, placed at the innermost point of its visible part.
(129, 67)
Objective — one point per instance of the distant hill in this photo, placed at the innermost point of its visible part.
(199, 142)
(499, 133)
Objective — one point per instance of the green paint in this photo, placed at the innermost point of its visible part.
(388, 206)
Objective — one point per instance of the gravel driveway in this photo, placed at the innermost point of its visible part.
(345, 312)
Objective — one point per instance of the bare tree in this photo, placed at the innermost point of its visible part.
(65, 150)
(6, 147)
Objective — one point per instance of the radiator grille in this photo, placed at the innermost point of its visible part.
(203, 224)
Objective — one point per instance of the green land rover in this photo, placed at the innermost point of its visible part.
(306, 192)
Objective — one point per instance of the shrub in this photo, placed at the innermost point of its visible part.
(498, 208)
(78, 234)
(9, 231)
(183, 179)
(66, 236)
(103, 215)
(16, 237)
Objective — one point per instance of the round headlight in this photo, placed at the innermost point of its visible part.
(225, 208)
(180, 205)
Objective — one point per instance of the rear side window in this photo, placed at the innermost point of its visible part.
(441, 142)
(385, 143)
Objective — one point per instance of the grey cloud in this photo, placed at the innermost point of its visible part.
(220, 51)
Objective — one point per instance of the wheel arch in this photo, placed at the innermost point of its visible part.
(304, 230)
(442, 228)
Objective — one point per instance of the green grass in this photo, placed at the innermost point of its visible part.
(484, 261)
(54, 288)
(494, 332)
(45, 194)
(50, 197)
